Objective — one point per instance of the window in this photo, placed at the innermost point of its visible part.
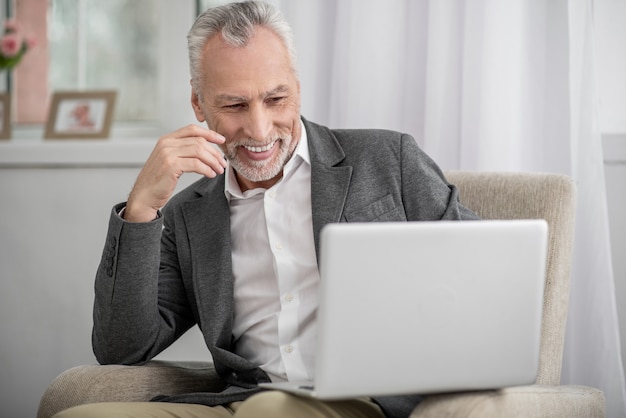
(109, 44)
(137, 47)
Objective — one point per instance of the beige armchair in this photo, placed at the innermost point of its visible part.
(492, 196)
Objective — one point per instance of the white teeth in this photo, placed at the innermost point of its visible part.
(260, 149)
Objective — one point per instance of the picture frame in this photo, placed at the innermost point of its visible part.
(80, 114)
(5, 116)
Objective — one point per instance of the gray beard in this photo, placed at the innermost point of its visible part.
(257, 171)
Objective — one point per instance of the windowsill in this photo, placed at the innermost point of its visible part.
(131, 145)
(128, 146)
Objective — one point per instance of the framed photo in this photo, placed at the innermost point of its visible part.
(5, 116)
(80, 115)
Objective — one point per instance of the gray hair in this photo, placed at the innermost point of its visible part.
(236, 23)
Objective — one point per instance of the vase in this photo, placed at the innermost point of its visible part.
(6, 119)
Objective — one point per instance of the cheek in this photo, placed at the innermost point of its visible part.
(226, 124)
(215, 124)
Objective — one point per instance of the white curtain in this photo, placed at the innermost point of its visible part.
(482, 85)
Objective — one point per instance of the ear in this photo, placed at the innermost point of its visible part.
(197, 106)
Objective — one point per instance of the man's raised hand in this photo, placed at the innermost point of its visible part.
(188, 150)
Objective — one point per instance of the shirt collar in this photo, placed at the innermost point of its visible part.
(301, 154)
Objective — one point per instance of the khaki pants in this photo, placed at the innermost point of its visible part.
(271, 404)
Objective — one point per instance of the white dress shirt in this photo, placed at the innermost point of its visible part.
(275, 271)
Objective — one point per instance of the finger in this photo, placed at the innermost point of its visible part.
(195, 165)
(212, 159)
(208, 149)
(198, 131)
(197, 148)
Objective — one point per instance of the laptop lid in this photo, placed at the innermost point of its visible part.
(425, 307)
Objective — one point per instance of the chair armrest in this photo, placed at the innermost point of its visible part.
(116, 383)
(532, 401)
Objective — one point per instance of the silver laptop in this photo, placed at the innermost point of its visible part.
(427, 307)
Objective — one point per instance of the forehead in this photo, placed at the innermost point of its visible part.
(263, 63)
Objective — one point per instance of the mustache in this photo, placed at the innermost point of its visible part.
(251, 142)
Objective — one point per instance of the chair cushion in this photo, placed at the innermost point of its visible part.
(116, 383)
(532, 401)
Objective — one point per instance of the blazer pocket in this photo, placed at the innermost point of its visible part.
(382, 210)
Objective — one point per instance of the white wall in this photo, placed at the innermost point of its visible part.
(54, 208)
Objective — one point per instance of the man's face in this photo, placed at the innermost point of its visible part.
(251, 96)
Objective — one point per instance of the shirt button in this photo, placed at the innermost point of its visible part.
(288, 297)
(289, 349)
(272, 193)
(279, 246)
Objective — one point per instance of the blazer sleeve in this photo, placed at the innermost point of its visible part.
(427, 195)
(134, 319)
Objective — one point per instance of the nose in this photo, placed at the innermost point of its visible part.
(258, 124)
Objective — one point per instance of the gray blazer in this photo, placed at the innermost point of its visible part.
(158, 279)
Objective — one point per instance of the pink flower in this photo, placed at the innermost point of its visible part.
(10, 45)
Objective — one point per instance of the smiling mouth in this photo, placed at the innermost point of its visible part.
(260, 149)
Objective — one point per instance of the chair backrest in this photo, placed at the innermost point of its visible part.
(494, 195)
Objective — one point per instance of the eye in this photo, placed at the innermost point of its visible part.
(276, 100)
(234, 106)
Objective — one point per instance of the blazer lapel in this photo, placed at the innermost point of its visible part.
(207, 223)
(329, 181)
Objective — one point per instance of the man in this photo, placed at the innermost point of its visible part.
(236, 253)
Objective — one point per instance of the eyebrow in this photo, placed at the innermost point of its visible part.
(283, 88)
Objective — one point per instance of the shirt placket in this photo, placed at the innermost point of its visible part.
(287, 284)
